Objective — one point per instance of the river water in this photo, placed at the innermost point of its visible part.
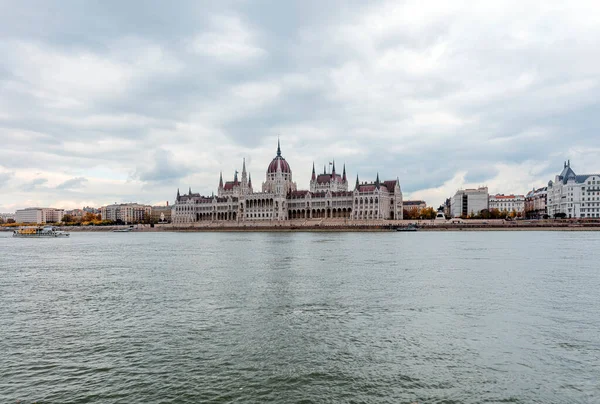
(448, 317)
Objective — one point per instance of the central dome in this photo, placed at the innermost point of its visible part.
(285, 167)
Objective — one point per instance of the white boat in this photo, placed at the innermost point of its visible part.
(127, 230)
(39, 232)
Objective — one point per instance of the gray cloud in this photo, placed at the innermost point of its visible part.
(5, 177)
(73, 184)
(34, 185)
(164, 168)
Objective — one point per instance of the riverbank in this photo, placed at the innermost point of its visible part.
(333, 226)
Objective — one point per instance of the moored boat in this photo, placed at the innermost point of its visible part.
(39, 232)
(126, 230)
(410, 227)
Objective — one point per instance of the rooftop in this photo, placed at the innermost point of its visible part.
(413, 203)
(502, 196)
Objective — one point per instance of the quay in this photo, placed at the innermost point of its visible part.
(341, 225)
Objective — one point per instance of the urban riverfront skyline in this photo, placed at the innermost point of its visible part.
(108, 103)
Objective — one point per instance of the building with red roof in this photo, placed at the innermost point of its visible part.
(507, 203)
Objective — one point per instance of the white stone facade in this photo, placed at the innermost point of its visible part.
(328, 181)
(469, 202)
(280, 199)
(378, 200)
(507, 203)
(39, 215)
(574, 196)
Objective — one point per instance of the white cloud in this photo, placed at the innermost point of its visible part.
(511, 178)
(65, 80)
(230, 41)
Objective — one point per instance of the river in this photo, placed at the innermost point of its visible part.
(438, 317)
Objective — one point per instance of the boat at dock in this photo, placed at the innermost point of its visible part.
(410, 227)
(39, 232)
(127, 230)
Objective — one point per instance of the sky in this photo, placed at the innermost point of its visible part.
(112, 101)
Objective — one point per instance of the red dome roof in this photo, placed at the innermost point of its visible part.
(285, 167)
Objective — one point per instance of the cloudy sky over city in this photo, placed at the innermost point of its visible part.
(111, 101)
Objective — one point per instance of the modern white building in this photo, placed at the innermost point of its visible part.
(39, 215)
(126, 212)
(508, 203)
(574, 196)
(327, 198)
(469, 202)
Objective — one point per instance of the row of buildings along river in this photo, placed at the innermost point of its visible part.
(567, 196)
(278, 198)
(330, 196)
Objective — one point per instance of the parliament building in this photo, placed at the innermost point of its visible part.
(278, 198)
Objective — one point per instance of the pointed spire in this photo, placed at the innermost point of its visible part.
(377, 180)
(221, 180)
(314, 176)
(278, 147)
(235, 177)
(190, 191)
(333, 170)
(178, 196)
(344, 174)
(244, 167)
(249, 180)
(357, 183)
(324, 169)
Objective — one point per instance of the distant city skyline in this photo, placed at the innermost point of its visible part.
(125, 102)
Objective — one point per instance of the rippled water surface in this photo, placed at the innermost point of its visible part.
(462, 317)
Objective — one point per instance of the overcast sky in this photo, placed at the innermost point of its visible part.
(118, 101)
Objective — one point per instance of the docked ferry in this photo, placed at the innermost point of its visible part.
(35, 232)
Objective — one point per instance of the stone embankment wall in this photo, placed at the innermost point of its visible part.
(359, 225)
